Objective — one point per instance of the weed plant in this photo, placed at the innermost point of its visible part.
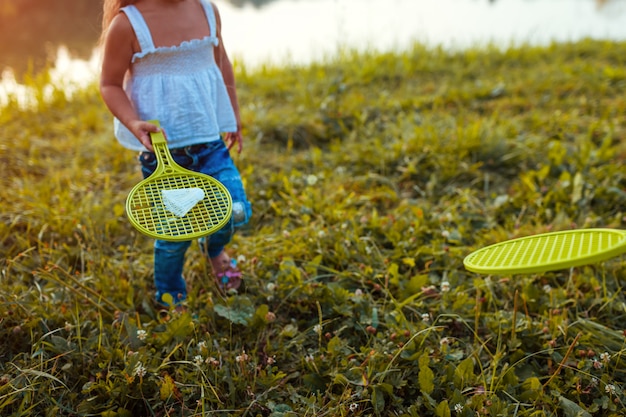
(372, 176)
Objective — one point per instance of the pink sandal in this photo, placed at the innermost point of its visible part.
(230, 278)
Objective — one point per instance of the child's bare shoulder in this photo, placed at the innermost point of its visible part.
(121, 28)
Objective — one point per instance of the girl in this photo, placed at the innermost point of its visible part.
(165, 60)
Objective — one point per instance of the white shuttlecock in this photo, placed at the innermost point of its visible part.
(181, 200)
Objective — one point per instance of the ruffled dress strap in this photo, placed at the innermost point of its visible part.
(210, 13)
(140, 27)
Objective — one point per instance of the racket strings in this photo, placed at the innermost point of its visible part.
(548, 251)
(151, 213)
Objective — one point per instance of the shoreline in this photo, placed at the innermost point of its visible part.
(73, 74)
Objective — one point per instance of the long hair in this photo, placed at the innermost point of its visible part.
(110, 9)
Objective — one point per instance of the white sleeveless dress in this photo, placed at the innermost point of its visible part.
(181, 86)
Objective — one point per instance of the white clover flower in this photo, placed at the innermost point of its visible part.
(445, 234)
(445, 286)
(142, 334)
(597, 364)
(139, 370)
(202, 345)
(547, 288)
(354, 407)
(198, 360)
(594, 382)
(610, 389)
(242, 358)
(311, 180)
(271, 360)
(605, 357)
(309, 358)
(358, 292)
(458, 407)
(68, 326)
(317, 329)
(426, 317)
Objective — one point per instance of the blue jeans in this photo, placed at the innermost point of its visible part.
(213, 159)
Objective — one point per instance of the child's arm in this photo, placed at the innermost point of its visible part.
(226, 67)
(118, 52)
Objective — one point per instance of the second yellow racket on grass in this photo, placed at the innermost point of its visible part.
(175, 203)
(547, 252)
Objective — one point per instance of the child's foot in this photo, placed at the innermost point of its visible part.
(227, 275)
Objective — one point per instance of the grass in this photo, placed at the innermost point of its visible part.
(372, 175)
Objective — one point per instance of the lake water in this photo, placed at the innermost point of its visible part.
(280, 32)
(311, 29)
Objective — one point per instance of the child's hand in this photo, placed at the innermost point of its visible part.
(142, 131)
(232, 138)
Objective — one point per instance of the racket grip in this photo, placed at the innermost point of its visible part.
(157, 137)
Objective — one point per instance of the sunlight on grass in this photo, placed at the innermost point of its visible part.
(372, 175)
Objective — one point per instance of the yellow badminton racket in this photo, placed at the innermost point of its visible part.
(175, 203)
(547, 252)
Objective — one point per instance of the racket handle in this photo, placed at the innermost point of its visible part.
(157, 137)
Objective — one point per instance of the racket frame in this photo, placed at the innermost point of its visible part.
(147, 214)
(529, 254)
